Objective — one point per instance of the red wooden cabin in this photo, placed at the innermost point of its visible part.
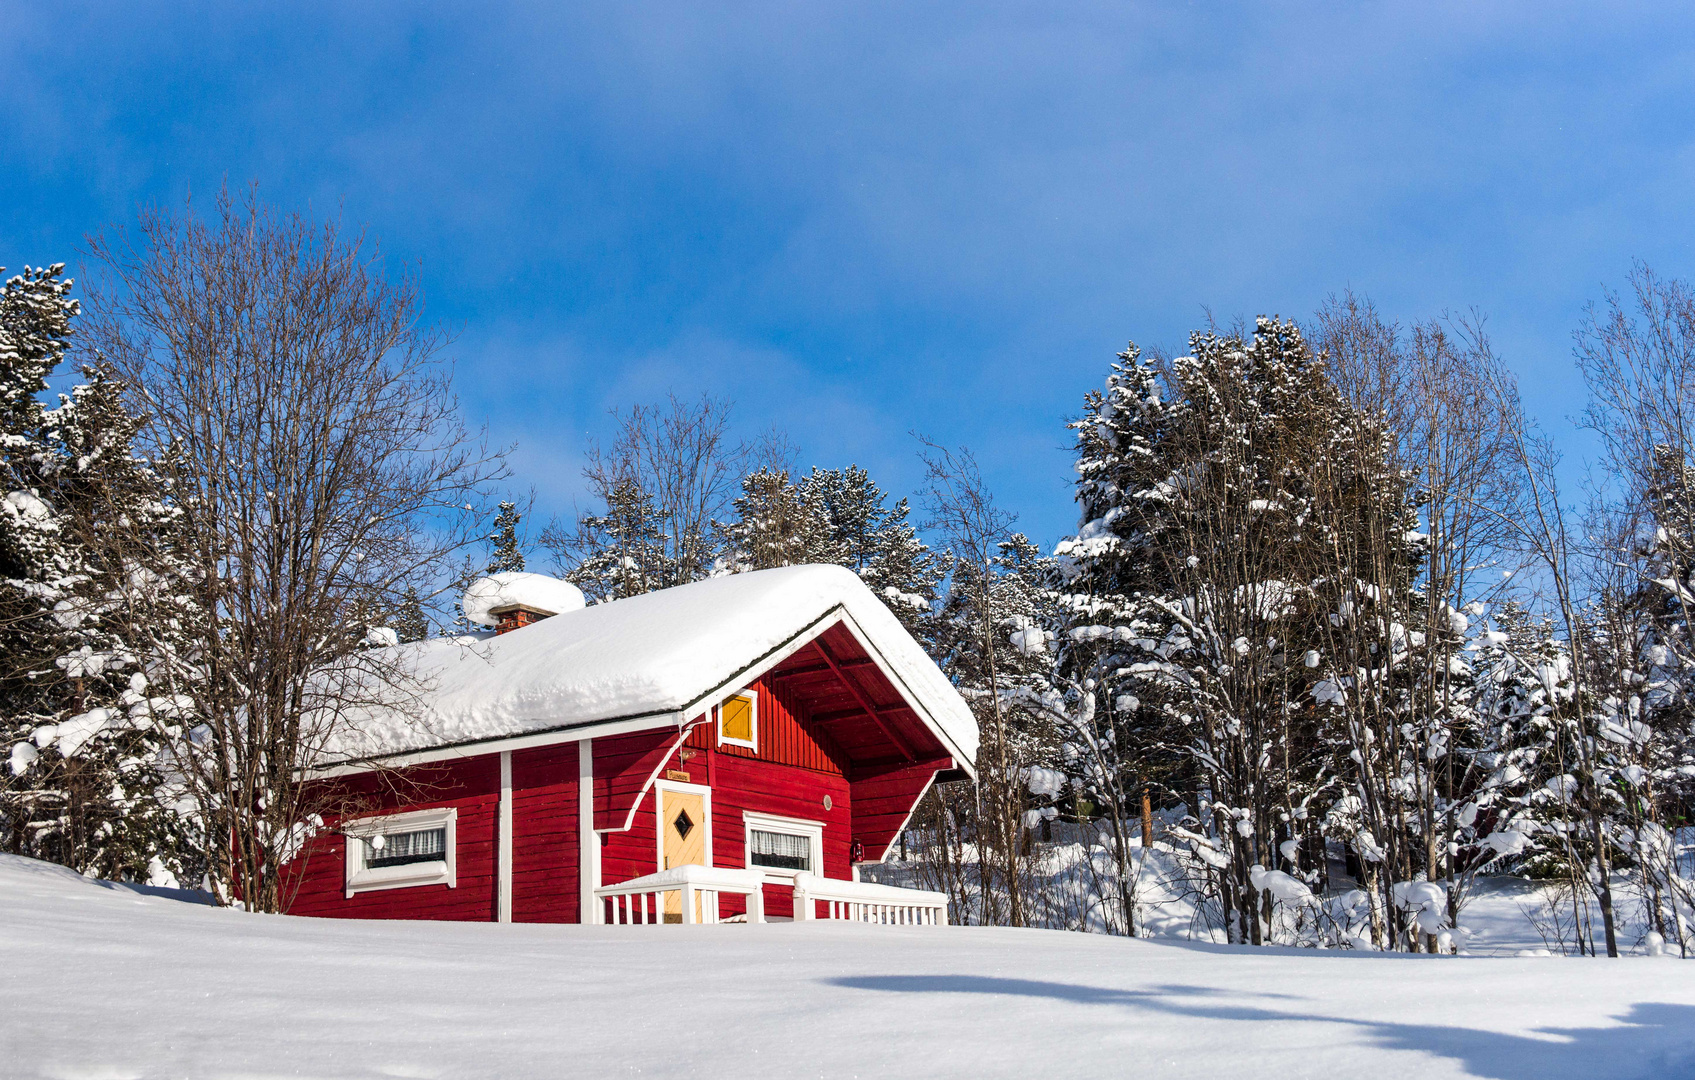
(779, 723)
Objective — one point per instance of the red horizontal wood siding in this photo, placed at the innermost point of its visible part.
(783, 737)
(545, 841)
(623, 765)
(883, 801)
(472, 786)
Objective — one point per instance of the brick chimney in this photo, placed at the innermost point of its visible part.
(514, 616)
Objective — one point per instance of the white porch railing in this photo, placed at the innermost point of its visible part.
(642, 900)
(864, 901)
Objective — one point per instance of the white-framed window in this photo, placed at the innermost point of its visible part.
(783, 847)
(397, 851)
(738, 720)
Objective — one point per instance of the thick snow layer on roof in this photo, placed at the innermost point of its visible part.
(510, 587)
(652, 654)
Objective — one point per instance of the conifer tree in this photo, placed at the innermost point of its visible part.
(92, 594)
(506, 554)
(776, 524)
(409, 622)
(835, 516)
(622, 552)
(875, 540)
(667, 478)
(38, 566)
(1198, 592)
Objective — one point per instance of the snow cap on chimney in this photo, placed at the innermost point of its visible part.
(511, 599)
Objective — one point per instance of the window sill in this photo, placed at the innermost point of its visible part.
(401, 877)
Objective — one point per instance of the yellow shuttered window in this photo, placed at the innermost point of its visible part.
(738, 721)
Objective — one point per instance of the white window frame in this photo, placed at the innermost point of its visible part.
(812, 830)
(435, 872)
(752, 697)
(660, 824)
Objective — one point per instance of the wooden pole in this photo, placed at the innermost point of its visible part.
(1147, 820)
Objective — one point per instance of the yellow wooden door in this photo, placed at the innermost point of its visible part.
(682, 816)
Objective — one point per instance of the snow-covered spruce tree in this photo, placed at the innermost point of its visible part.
(1636, 672)
(835, 516)
(1647, 747)
(1652, 706)
(1115, 746)
(38, 561)
(1519, 746)
(409, 622)
(505, 553)
(775, 525)
(1192, 599)
(88, 540)
(622, 552)
(1544, 815)
(876, 541)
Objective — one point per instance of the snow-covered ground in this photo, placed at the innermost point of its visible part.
(101, 981)
(1501, 916)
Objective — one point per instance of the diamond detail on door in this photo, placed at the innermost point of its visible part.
(683, 825)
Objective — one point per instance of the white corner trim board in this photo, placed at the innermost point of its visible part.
(588, 854)
(503, 912)
(442, 871)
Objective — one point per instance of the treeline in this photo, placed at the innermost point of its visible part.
(1327, 607)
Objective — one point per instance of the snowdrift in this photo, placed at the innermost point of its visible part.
(102, 981)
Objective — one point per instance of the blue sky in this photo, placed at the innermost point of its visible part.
(857, 221)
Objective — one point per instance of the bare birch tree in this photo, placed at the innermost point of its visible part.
(1548, 535)
(1637, 356)
(671, 471)
(972, 527)
(322, 469)
(1434, 389)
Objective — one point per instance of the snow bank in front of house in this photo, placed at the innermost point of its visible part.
(103, 982)
(650, 654)
(511, 587)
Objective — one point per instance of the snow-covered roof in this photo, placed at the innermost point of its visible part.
(664, 656)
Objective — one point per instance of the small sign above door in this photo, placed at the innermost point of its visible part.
(677, 774)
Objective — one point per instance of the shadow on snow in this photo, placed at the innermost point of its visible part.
(1652, 1039)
